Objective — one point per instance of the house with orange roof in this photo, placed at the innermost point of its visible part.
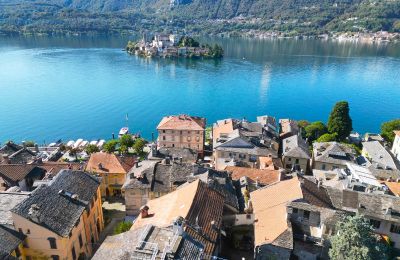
(273, 235)
(396, 145)
(256, 178)
(189, 218)
(182, 131)
(112, 169)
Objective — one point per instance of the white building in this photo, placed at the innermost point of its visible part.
(396, 145)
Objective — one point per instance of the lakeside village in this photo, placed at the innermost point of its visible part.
(173, 46)
(240, 189)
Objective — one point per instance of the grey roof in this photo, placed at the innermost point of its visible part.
(8, 200)
(378, 206)
(9, 241)
(187, 154)
(295, 146)
(243, 145)
(13, 173)
(383, 174)
(333, 152)
(56, 210)
(378, 154)
(140, 244)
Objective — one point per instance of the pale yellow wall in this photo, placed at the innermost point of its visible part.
(182, 139)
(109, 179)
(38, 244)
(136, 198)
(328, 166)
(218, 155)
(37, 239)
(303, 163)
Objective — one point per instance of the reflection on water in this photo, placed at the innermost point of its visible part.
(70, 87)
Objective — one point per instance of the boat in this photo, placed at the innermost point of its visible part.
(123, 131)
(70, 143)
(77, 143)
(101, 143)
(84, 144)
(93, 142)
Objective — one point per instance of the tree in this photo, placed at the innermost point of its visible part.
(327, 138)
(126, 140)
(355, 240)
(303, 123)
(92, 148)
(122, 227)
(30, 144)
(139, 145)
(387, 129)
(339, 120)
(123, 149)
(315, 130)
(110, 146)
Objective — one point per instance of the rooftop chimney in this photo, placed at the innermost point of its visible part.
(178, 225)
(137, 164)
(144, 211)
(24, 144)
(34, 213)
(100, 166)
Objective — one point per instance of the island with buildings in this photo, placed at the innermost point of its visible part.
(173, 46)
(237, 189)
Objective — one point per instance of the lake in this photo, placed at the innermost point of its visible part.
(72, 87)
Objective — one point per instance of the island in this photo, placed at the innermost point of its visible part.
(167, 46)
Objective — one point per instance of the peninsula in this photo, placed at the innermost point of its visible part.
(167, 46)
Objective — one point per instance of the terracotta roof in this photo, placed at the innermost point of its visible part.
(397, 132)
(195, 202)
(18, 172)
(182, 122)
(394, 187)
(264, 177)
(269, 205)
(110, 163)
(267, 163)
(55, 167)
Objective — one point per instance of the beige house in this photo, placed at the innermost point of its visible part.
(112, 169)
(331, 155)
(61, 220)
(295, 154)
(182, 131)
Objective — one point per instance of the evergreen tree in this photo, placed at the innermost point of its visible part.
(315, 130)
(339, 120)
(355, 240)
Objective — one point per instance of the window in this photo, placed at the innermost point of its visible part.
(20, 230)
(189, 138)
(295, 211)
(197, 139)
(28, 231)
(173, 145)
(395, 229)
(323, 167)
(163, 138)
(306, 214)
(297, 161)
(375, 223)
(289, 159)
(73, 253)
(52, 242)
(80, 240)
(163, 131)
(55, 257)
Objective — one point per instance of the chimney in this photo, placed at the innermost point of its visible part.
(36, 148)
(34, 213)
(144, 211)
(24, 144)
(167, 160)
(137, 164)
(100, 166)
(178, 225)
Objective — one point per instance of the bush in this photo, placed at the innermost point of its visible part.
(327, 138)
(387, 129)
(122, 227)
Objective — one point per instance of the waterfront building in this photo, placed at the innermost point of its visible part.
(182, 131)
(288, 127)
(378, 155)
(61, 220)
(295, 154)
(331, 155)
(112, 169)
(396, 145)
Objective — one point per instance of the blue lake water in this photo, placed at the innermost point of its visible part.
(68, 88)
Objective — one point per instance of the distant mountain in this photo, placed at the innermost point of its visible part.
(291, 16)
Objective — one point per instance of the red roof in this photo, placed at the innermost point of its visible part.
(182, 122)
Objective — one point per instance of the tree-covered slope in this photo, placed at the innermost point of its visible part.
(303, 16)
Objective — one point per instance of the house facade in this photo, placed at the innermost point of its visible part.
(182, 131)
(331, 155)
(112, 169)
(396, 145)
(295, 154)
(62, 220)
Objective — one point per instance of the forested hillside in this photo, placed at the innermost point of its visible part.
(198, 16)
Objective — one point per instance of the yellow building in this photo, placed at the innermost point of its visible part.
(112, 169)
(62, 220)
